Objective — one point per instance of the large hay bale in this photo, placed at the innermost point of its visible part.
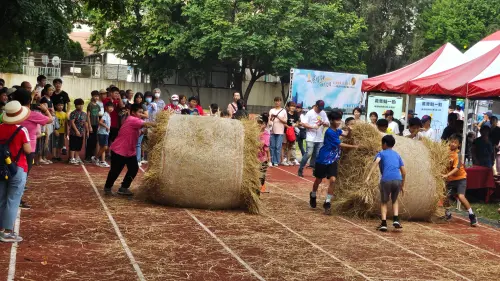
(203, 162)
(424, 162)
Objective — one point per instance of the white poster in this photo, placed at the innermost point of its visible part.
(437, 109)
(380, 104)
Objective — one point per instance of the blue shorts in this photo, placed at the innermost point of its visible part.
(103, 140)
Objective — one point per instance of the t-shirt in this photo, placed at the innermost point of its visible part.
(62, 117)
(101, 108)
(313, 119)
(127, 138)
(93, 111)
(495, 137)
(160, 103)
(106, 119)
(455, 162)
(193, 111)
(174, 108)
(393, 128)
(264, 139)
(200, 110)
(448, 132)
(484, 152)
(390, 164)
(278, 127)
(292, 118)
(15, 146)
(407, 133)
(430, 134)
(48, 101)
(330, 151)
(231, 108)
(240, 114)
(36, 118)
(80, 118)
(61, 97)
(115, 119)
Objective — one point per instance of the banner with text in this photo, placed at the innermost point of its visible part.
(380, 104)
(337, 90)
(437, 109)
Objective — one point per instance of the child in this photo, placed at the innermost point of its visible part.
(263, 154)
(78, 126)
(383, 125)
(93, 110)
(327, 159)
(45, 134)
(214, 110)
(349, 122)
(2, 105)
(456, 179)
(413, 131)
(193, 103)
(182, 102)
(61, 133)
(103, 135)
(392, 180)
(103, 95)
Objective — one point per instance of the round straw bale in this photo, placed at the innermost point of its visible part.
(203, 162)
(424, 162)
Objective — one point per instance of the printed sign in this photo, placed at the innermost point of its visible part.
(380, 104)
(437, 109)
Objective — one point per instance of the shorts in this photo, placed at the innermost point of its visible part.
(322, 171)
(103, 140)
(59, 141)
(75, 143)
(456, 187)
(390, 188)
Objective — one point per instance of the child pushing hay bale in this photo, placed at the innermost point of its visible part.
(206, 163)
(424, 162)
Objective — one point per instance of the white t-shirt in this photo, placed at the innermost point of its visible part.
(312, 119)
(394, 128)
(101, 108)
(278, 126)
(461, 114)
(407, 133)
(430, 134)
(106, 119)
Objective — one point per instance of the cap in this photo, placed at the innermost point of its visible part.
(103, 91)
(489, 114)
(412, 112)
(299, 105)
(426, 118)
(388, 113)
(174, 97)
(320, 104)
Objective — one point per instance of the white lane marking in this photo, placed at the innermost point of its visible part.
(240, 260)
(482, 225)
(117, 229)
(13, 249)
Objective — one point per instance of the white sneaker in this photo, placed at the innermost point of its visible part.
(104, 165)
(295, 162)
(144, 162)
(285, 163)
(10, 237)
(73, 161)
(95, 161)
(139, 163)
(43, 162)
(79, 161)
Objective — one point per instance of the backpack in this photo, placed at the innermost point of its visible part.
(8, 168)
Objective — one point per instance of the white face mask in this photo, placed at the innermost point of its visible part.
(157, 95)
(175, 102)
(148, 100)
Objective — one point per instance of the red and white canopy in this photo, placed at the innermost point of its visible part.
(442, 59)
(483, 46)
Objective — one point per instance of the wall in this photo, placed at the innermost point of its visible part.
(77, 87)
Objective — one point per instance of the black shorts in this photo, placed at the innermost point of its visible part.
(322, 171)
(103, 140)
(75, 143)
(390, 189)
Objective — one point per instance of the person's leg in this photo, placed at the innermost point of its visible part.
(3, 202)
(132, 169)
(384, 197)
(305, 158)
(138, 148)
(461, 188)
(15, 189)
(301, 146)
(272, 141)
(279, 143)
(317, 147)
(292, 153)
(117, 164)
(395, 189)
(497, 158)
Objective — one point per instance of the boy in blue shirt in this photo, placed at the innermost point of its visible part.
(392, 180)
(327, 159)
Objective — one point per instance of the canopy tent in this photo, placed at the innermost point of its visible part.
(483, 46)
(455, 81)
(446, 57)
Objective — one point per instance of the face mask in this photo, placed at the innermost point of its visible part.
(157, 95)
(175, 102)
(148, 100)
(124, 100)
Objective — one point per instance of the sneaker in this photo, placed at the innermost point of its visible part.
(285, 163)
(103, 165)
(300, 173)
(139, 164)
(108, 192)
(447, 215)
(64, 151)
(88, 161)
(11, 237)
(328, 208)
(295, 163)
(43, 162)
(24, 205)
(397, 225)
(382, 228)
(79, 161)
(125, 191)
(73, 161)
(473, 220)
(312, 201)
(144, 162)
(95, 160)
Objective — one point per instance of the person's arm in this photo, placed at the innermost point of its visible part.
(27, 148)
(372, 168)
(73, 126)
(103, 124)
(89, 128)
(45, 112)
(403, 175)
(344, 145)
(68, 102)
(145, 114)
(148, 124)
(347, 132)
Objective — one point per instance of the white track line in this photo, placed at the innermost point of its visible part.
(319, 248)
(485, 226)
(382, 237)
(240, 260)
(13, 249)
(117, 229)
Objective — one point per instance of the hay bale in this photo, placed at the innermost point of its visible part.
(424, 162)
(201, 162)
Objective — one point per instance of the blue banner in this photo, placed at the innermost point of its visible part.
(337, 90)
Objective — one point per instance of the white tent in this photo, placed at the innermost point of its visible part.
(483, 46)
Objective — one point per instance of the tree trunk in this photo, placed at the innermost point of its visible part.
(255, 77)
(284, 95)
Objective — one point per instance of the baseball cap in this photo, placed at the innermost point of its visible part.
(489, 114)
(388, 113)
(320, 104)
(174, 97)
(426, 118)
(299, 105)
(412, 112)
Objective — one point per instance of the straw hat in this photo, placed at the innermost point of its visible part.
(15, 113)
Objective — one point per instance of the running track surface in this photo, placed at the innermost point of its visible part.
(70, 234)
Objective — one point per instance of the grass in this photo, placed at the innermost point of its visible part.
(489, 211)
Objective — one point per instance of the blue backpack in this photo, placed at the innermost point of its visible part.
(8, 168)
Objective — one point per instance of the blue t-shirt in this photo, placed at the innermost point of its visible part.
(390, 163)
(330, 151)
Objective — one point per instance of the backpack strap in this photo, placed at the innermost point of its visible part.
(12, 138)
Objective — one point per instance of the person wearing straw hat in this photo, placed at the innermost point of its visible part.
(15, 145)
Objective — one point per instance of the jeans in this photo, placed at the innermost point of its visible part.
(311, 152)
(300, 141)
(138, 150)
(11, 192)
(91, 143)
(276, 144)
(118, 162)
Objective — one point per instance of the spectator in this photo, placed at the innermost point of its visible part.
(193, 106)
(115, 118)
(373, 119)
(277, 119)
(60, 95)
(93, 110)
(183, 102)
(2, 83)
(103, 95)
(427, 131)
(199, 107)
(241, 113)
(233, 107)
(482, 149)
(383, 126)
(293, 119)
(451, 129)
(451, 109)
(2, 106)
(459, 111)
(174, 106)
(3, 95)
(47, 139)
(27, 86)
(301, 135)
(144, 115)
(78, 127)
(214, 110)
(18, 147)
(393, 126)
(152, 107)
(486, 120)
(314, 121)
(413, 131)
(223, 114)
(61, 133)
(156, 99)
(102, 136)
(41, 80)
(495, 140)
(130, 96)
(357, 114)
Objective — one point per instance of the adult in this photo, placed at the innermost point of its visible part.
(151, 106)
(232, 107)
(2, 83)
(41, 80)
(130, 96)
(459, 111)
(482, 149)
(293, 119)
(61, 96)
(393, 126)
(427, 131)
(277, 121)
(240, 113)
(115, 118)
(27, 86)
(451, 129)
(357, 114)
(174, 106)
(157, 98)
(144, 115)
(486, 120)
(3, 95)
(495, 140)
(301, 136)
(314, 121)
(17, 138)
(373, 119)
(451, 109)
